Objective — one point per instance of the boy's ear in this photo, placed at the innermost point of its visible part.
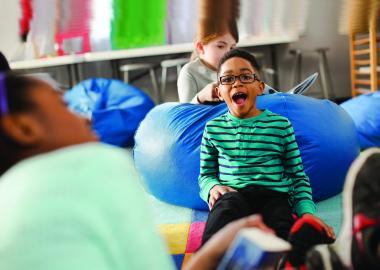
(218, 92)
(261, 88)
(199, 47)
(22, 129)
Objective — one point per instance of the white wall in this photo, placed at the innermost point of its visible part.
(10, 13)
(321, 31)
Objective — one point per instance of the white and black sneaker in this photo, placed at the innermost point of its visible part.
(358, 244)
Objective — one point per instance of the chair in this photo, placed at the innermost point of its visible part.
(323, 69)
(142, 66)
(364, 48)
(165, 64)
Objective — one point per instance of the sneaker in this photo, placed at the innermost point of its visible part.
(358, 244)
(305, 234)
(323, 257)
(365, 209)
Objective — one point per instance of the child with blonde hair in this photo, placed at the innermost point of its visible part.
(197, 79)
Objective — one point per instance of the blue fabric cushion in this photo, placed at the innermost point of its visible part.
(168, 144)
(365, 111)
(115, 108)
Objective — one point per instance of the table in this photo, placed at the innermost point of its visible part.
(70, 61)
(73, 62)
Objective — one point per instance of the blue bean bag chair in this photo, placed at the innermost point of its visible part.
(115, 108)
(365, 111)
(168, 143)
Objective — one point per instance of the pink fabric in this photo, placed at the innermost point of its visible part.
(195, 236)
(74, 22)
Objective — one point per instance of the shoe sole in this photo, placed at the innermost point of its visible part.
(344, 241)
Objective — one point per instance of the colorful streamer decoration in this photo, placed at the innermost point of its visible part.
(26, 16)
(73, 33)
(138, 23)
(62, 27)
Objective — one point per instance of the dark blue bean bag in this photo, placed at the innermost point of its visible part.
(365, 111)
(115, 108)
(168, 143)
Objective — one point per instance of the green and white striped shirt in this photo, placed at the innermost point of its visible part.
(261, 150)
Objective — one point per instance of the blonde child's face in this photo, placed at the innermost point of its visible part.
(240, 97)
(213, 51)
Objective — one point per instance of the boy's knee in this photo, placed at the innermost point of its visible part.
(232, 199)
(232, 196)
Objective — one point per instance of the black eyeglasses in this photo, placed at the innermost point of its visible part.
(244, 78)
(3, 96)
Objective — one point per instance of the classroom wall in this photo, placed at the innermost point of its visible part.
(321, 31)
(9, 14)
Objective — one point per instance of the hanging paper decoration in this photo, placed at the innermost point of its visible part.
(26, 16)
(181, 21)
(100, 25)
(138, 23)
(73, 33)
(273, 17)
(41, 37)
(59, 27)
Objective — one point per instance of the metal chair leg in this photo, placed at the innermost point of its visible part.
(126, 76)
(155, 86)
(178, 70)
(163, 82)
(297, 66)
(325, 74)
(70, 75)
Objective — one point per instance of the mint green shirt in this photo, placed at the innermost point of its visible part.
(81, 207)
(193, 77)
(260, 151)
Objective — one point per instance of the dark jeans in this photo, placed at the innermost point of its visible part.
(272, 205)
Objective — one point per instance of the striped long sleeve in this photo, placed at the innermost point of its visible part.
(300, 194)
(209, 169)
(261, 150)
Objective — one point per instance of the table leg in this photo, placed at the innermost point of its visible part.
(79, 72)
(115, 69)
(70, 76)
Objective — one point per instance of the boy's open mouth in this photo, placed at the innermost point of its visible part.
(239, 98)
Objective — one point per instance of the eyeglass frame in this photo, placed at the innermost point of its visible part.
(255, 78)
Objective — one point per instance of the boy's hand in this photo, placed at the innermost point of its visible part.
(216, 192)
(329, 230)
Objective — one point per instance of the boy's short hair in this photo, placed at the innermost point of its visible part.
(241, 54)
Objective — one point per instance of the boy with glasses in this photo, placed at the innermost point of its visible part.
(250, 161)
